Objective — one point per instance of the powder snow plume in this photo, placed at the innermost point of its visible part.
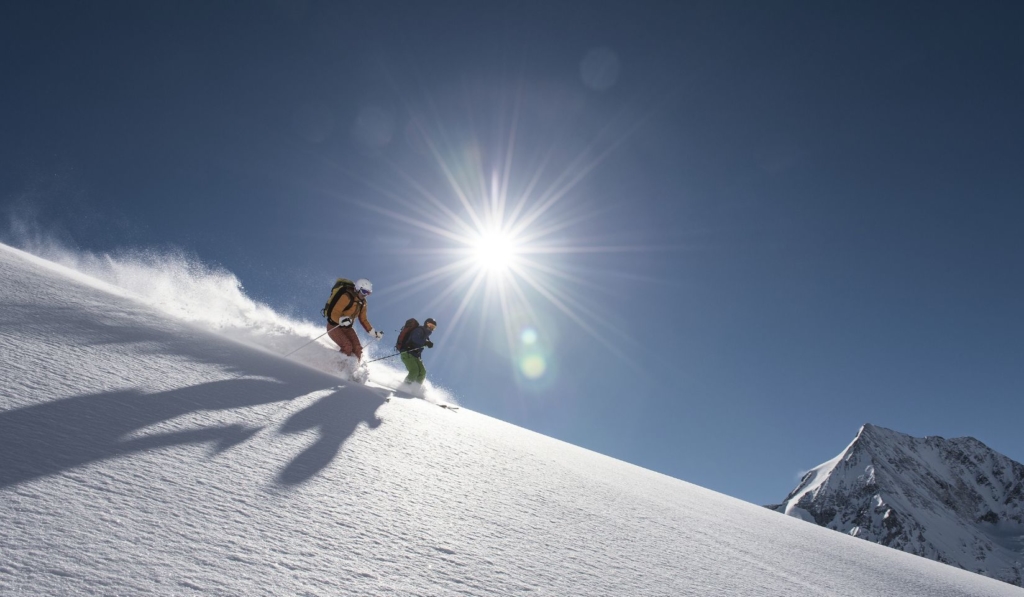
(213, 298)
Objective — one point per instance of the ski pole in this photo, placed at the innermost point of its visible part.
(317, 338)
(392, 355)
(382, 358)
(310, 342)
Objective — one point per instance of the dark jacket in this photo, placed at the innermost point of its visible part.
(416, 340)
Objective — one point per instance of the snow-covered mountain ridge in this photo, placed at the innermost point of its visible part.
(952, 500)
(144, 454)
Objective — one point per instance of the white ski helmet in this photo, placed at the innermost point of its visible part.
(364, 286)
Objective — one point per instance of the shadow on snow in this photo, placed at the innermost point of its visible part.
(59, 435)
(336, 417)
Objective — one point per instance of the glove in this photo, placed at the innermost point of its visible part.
(376, 334)
(430, 344)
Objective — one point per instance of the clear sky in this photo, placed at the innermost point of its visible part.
(737, 232)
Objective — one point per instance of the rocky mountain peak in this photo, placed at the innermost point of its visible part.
(952, 500)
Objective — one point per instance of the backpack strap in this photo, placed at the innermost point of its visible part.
(350, 293)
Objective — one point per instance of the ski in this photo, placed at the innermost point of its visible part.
(406, 395)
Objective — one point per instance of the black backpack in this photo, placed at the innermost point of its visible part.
(339, 289)
(410, 325)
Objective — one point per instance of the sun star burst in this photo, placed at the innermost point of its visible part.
(503, 241)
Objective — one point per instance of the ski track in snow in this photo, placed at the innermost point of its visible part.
(144, 455)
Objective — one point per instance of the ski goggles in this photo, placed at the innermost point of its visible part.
(365, 292)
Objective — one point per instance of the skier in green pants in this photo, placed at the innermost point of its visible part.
(412, 355)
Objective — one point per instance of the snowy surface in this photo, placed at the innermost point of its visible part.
(952, 500)
(142, 453)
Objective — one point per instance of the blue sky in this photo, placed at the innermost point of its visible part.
(767, 225)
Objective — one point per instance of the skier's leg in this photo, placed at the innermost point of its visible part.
(421, 371)
(356, 345)
(410, 364)
(341, 338)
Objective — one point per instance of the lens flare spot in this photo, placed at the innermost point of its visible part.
(528, 337)
(533, 366)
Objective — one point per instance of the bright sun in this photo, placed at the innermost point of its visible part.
(494, 252)
(508, 238)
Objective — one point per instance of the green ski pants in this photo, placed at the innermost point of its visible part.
(417, 372)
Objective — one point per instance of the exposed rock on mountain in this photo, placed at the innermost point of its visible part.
(952, 500)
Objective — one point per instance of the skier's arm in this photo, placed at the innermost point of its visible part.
(363, 320)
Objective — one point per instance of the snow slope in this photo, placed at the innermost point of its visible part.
(144, 454)
(188, 290)
(956, 501)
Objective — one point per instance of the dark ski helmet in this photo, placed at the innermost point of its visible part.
(430, 320)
